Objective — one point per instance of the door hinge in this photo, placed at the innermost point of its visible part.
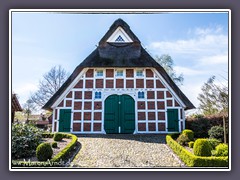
(119, 102)
(119, 129)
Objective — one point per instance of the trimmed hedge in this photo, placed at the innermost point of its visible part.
(56, 161)
(195, 161)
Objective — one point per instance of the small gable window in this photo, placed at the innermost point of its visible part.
(99, 73)
(119, 73)
(98, 95)
(139, 73)
(119, 39)
(141, 95)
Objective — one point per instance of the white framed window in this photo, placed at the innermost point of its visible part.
(141, 95)
(139, 72)
(119, 73)
(99, 73)
(98, 95)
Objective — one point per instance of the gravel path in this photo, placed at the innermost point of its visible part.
(125, 151)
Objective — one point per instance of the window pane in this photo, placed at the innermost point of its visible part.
(119, 73)
(100, 73)
(141, 95)
(139, 72)
(98, 95)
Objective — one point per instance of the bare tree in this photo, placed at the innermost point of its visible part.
(50, 83)
(29, 107)
(214, 98)
(166, 62)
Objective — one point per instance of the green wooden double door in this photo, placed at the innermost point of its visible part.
(119, 114)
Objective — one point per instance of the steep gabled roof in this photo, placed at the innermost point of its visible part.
(119, 55)
(114, 26)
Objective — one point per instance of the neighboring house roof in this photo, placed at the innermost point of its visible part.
(109, 54)
(15, 103)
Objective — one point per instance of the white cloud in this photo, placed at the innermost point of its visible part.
(216, 59)
(187, 71)
(23, 91)
(204, 42)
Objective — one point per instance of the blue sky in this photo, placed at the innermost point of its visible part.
(197, 42)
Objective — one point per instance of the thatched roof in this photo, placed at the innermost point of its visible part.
(119, 55)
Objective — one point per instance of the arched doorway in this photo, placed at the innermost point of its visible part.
(119, 114)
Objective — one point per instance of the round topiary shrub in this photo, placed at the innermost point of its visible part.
(190, 144)
(54, 144)
(58, 137)
(216, 132)
(189, 133)
(221, 150)
(183, 139)
(202, 147)
(214, 142)
(44, 152)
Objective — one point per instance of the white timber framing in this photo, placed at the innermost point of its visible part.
(133, 92)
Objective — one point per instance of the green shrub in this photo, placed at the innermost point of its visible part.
(214, 142)
(183, 139)
(54, 144)
(195, 161)
(221, 150)
(189, 133)
(54, 162)
(199, 126)
(216, 132)
(58, 136)
(25, 139)
(202, 147)
(175, 135)
(44, 152)
(190, 144)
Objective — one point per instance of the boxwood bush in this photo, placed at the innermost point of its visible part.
(183, 139)
(58, 136)
(190, 144)
(195, 161)
(189, 133)
(214, 142)
(25, 139)
(221, 150)
(202, 147)
(44, 152)
(54, 144)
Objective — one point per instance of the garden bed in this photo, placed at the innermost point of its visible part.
(186, 155)
(61, 156)
(60, 146)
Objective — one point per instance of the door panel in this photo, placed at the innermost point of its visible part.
(65, 120)
(127, 114)
(173, 120)
(111, 114)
